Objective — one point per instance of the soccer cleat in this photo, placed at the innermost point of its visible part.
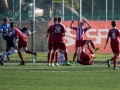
(35, 55)
(116, 68)
(22, 63)
(96, 49)
(73, 63)
(108, 62)
(56, 64)
(48, 64)
(52, 64)
(67, 64)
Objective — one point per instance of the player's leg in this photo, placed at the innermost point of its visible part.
(92, 44)
(21, 57)
(55, 47)
(64, 50)
(50, 45)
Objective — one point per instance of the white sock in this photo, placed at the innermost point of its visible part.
(4, 55)
(13, 51)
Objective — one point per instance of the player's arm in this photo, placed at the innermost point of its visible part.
(89, 26)
(71, 25)
(47, 35)
(106, 41)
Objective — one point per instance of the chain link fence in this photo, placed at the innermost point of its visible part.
(98, 13)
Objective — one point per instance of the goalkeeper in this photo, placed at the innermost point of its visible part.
(87, 59)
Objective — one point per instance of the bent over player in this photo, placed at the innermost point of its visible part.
(22, 41)
(87, 59)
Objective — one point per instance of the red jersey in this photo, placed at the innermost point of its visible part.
(85, 57)
(49, 31)
(80, 33)
(58, 32)
(20, 35)
(114, 36)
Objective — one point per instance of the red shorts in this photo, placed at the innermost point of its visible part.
(57, 45)
(80, 43)
(22, 44)
(50, 46)
(115, 48)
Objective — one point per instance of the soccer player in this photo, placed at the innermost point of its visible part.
(58, 41)
(87, 59)
(49, 39)
(114, 36)
(80, 41)
(22, 41)
(4, 30)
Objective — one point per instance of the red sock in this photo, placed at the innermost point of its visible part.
(92, 44)
(75, 54)
(52, 58)
(91, 51)
(48, 58)
(20, 55)
(66, 56)
(56, 57)
(116, 60)
(29, 52)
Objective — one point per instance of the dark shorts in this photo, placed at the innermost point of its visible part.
(50, 46)
(80, 43)
(57, 45)
(10, 42)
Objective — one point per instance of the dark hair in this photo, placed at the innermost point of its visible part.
(113, 23)
(11, 24)
(55, 19)
(5, 19)
(59, 19)
(25, 28)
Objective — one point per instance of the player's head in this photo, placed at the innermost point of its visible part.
(59, 19)
(25, 28)
(113, 23)
(26, 31)
(5, 20)
(81, 24)
(12, 24)
(55, 19)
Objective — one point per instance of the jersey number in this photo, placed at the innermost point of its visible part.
(57, 29)
(113, 35)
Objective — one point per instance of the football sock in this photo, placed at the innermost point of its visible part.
(4, 54)
(13, 51)
(75, 54)
(66, 56)
(52, 58)
(20, 55)
(48, 58)
(29, 52)
(56, 57)
(116, 60)
(91, 51)
(92, 44)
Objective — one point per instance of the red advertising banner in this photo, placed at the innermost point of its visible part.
(98, 34)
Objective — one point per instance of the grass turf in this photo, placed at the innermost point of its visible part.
(39, 76)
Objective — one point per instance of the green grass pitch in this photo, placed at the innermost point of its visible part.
(39, 76)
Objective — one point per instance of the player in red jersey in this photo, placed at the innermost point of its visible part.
(80, 41)
(114, 36)
(49, 39)
(58, 40)
(22, 41)
(87, 59)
